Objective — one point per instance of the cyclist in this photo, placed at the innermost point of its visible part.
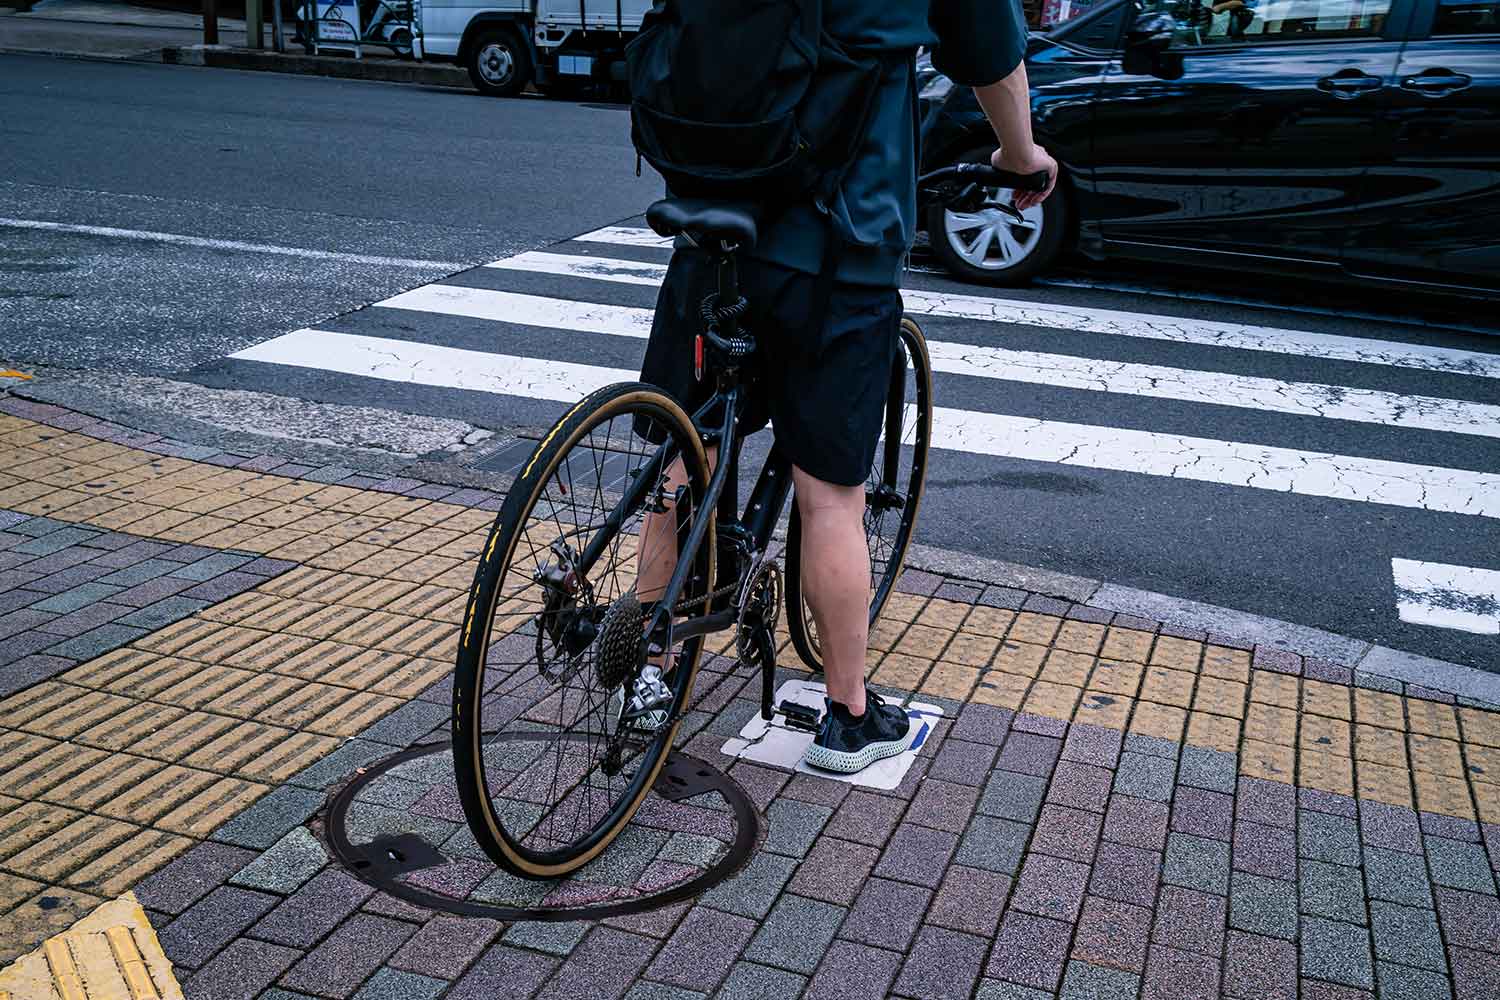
(824, 371)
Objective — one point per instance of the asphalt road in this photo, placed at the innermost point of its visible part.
(446, 180)
(435, 179)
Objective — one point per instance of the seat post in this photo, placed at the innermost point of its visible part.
(729, 288)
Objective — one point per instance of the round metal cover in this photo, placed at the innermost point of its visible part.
(398, 825)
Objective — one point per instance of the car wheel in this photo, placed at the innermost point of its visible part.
(499, 63)
(989, 246)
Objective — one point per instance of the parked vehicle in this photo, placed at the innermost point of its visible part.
(555, 44)
(1350, 139)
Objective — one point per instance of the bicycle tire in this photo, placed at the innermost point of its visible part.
(497, 561)
(918, 380)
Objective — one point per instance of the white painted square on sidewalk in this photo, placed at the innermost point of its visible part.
(777, 744)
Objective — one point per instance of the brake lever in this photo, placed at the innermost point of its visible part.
(971, 199)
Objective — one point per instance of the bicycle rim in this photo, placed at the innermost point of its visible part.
(552, 647)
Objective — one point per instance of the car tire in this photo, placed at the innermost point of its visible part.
(1011, 254)
(499, 62)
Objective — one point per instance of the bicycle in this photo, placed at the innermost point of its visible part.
(570, 687)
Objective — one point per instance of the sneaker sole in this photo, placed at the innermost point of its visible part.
(845, 762)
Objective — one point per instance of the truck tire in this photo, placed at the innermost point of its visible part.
(499, 62)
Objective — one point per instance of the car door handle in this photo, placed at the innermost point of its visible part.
(1349, 83)
(1436, 82)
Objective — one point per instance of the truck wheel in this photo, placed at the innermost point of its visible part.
(499, 63)
(401, 42)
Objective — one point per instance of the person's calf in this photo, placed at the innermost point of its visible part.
(836, 581)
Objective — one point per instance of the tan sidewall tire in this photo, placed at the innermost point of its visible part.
(468, 680)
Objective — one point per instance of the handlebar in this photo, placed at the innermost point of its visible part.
(987, 176)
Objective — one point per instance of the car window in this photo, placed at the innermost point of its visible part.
(1467, 17)
(1232, 22)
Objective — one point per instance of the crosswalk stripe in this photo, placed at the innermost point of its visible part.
(432, 365)
(1445, 596)
(525, 310)
(1208, 333)
(626, 236)
(1035, 368)
(1230, 463)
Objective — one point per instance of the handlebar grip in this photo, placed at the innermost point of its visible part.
(983, 173)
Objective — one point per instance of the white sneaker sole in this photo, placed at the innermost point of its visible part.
(845, 762)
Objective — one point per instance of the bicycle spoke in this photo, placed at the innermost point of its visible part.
(545, 647)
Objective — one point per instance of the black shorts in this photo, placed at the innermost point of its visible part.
(821, 381)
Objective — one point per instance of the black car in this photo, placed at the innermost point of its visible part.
(1351, 139)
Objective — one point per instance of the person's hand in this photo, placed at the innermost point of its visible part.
(1027, 161)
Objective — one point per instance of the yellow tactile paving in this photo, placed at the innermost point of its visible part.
(1065, 667)
(1126, 644)
(1321, 698)
(1021, 658)
(1221, 732)
(1153, 719)
(1104, 708)
(1274, 689)
(972, 649)
(1179, 654)
(1080, 637)
(1035, 628)
(1165, 686)
(109, 954)
(120, 763)
(1114, 677)
(1325, 771)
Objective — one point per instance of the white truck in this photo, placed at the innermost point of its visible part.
(555, 44)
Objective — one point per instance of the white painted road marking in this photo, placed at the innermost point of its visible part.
(1207, 333)
(177, 239)
(428, 364)
(1199, 295)
(626, 236)
(1455, 597)
(1308, 399)
(1287, 470)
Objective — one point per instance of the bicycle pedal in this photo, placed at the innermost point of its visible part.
(799, 716)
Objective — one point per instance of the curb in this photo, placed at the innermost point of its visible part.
(1378, 665)
(1271, 634)
(385, 70)
(148, 55)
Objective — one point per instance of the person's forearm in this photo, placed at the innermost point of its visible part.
(1007, 105)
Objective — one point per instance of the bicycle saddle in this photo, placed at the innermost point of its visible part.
(709, 223)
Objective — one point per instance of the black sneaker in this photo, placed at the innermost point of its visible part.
(846, 744)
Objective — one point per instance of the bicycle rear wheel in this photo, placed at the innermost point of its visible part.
(893, 492)
(549, 762)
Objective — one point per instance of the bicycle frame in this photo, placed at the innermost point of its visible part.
(750, 533)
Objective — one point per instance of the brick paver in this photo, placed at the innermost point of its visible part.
(194, 647)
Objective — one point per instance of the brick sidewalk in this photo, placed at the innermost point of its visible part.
(195, 646)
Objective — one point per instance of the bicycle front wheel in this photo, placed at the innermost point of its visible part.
(893, 492)
(563, 708)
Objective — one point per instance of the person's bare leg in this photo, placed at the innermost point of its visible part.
(836, 581)
(658, 549)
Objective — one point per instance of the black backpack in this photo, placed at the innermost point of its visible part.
(748, 99)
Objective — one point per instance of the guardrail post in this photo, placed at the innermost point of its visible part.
(210, 22)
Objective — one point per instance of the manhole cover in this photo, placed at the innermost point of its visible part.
(398, 825)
